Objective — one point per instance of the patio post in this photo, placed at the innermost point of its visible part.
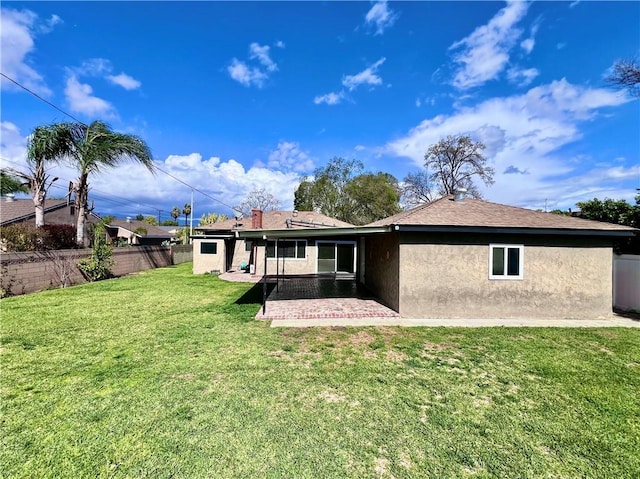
(277, 266)
(264, 278)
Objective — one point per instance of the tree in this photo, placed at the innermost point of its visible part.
(416, 189)
(186, 211)
(139, 217)
(451, 163)
(169, 223)
(341, 190)
(258, 199)
(151, 220)
(92, 148)
(611, 211)
(45, 145)
(175, 213)
(9, 183)
(615, 211)
(211, 218)
(626, 74)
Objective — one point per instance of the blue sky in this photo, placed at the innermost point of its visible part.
(233, 96)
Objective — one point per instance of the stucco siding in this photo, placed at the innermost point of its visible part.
(383, 268)
(449, 277)
(206, 263)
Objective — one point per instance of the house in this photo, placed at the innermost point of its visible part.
(56, 212)
(17, 211)
(454, 257)
(140, 233)
(297, 242)
(463, 257)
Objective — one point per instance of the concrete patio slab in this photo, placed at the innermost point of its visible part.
(613, 322)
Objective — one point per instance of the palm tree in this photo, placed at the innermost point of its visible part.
(175, 213)
(45, 145)
(92, 148)
(186, 211)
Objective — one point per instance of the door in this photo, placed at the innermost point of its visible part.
(334, 257)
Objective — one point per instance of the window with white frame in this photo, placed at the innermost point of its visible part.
(506, 261)
(295, 249)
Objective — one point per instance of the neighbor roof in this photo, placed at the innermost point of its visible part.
(152, 231)
(471, 212)
(23, 209)
(277, 220)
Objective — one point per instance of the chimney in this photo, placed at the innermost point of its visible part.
(459, 194)
(256, 219)
(10, 197)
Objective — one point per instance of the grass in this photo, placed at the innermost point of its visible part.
(166, 374)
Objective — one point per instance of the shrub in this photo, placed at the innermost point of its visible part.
(23, 237)
(97, 266)
(60, 237)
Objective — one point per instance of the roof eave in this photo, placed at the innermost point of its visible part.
(512, 230)
(304, 233)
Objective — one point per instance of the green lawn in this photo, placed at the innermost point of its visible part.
(166, 374)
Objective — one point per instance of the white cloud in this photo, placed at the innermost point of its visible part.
(522, 77)
(13, 146)
(485, 52)
(380, 16)
(523, 132)
(329, 98)
(289, 157)
(257, 74)
(367, 76)
(359, 147)
(261, 53)
(81, 99)
(125, 81)
(18, 30)
(528, 43)
(280, 44)
(246, 75)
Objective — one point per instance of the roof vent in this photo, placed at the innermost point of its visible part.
(128, 219)
(459, 194)
(10, 197)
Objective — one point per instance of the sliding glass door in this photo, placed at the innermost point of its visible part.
(334, 257)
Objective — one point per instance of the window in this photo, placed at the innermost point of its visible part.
(506, 261)
(287, 249)
(208, 248)
(248, 245)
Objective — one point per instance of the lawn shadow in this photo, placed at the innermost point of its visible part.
(255, 294)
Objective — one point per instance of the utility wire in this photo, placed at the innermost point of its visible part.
(84, 124)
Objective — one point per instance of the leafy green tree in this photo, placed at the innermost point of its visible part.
(98, 266)
(611, 211)
(139, 217)
(91, 149)
(454, 162)
(211, 218)
(343, 191)
(169, 223)
(10, 184)
(151, 220)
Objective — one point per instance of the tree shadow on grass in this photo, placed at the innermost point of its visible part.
(255, 294)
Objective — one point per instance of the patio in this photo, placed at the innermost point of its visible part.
(318, 297)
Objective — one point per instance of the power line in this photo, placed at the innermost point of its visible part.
(84, 124)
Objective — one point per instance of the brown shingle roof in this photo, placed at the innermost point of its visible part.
(152, 231)
(478, 213)
(277, 220)
(22, 209)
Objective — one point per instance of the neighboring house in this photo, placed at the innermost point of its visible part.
(56, 212)
(308, 243)
(454, 257)
(471, 258)
(138, 233)
(16, 211)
